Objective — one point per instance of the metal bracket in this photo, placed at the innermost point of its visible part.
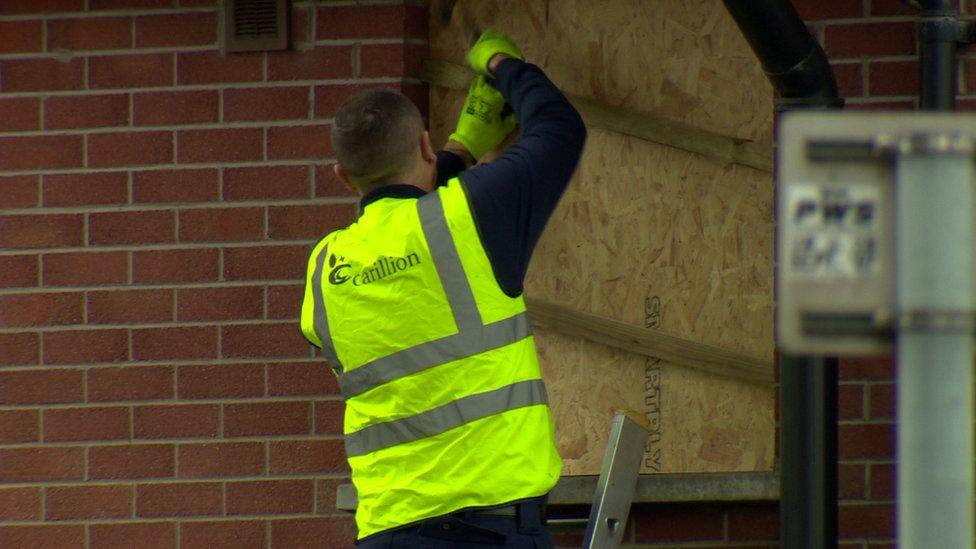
(618, 479)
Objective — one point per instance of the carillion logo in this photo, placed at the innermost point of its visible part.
(383, 267)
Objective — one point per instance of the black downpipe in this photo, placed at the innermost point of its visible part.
(939, 32)
(800, 72)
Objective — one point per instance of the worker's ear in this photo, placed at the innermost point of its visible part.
(426, 149)
(344, 177)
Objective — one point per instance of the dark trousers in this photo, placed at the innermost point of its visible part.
(471, 530)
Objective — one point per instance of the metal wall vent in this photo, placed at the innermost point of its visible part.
(255, 25)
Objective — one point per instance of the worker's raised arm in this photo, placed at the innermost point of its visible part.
(514, 196)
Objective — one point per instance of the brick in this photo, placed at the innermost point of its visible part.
(894, 78)
(882, 105)
(40, 6)
(266, 104)
(376, 60)
(328, 417)
(40, 386)
(124, 4)
(419, 94)
(197, 3)
(863, 521)
(176, 421)
(21, 36)
(222, 459)
(84, 189)
(221, 224)
(308, 222)
(969, 75)
(220, 381)
(19, 191)
(42, 74)
(301, 378)
(86, 346)
(20, 504)
(40, 231)
(869, 39)
(852, 482)
(19, 113)
(752, 522)
(90, 33)
(131, 461)
(175, 186)
(178, 499)
(299, 142)
(266, 183)
(267, 418)
(167, 266)
(392, 21)
(130, 306)
(325, 496)
(86, 111)
(183, 29)
(850, 401)
(307, 457)
(323, 62)
(18, 271)
(119, 383)
(131, 71)
(226, 303)
(210, 67)
(269, 497)
(884, 397)
(144, 535)
(329, 97)
(263, 340)
(340, 531)
(87, 502)
(239, 534)
(19, 348)
(300, 26)
(84, 424)
(884, 481)
(171, 108)
(130, 149)
(174, 343)
(84, 268)
(285, 302)
(41, 151)
(40, 309)
(829, 9)
(676, 522)
(265, 263)
(18, 426)
(871, 440)
(42, 463)
(850, 82)
(221, 145)
(131, 227)
(48, 536)
(866, 368)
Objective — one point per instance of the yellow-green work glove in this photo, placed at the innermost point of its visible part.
(481, 126)
(491, 42)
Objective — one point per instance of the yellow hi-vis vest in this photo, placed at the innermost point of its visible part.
(445, 404)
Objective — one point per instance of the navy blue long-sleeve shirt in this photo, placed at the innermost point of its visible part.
(513, 197)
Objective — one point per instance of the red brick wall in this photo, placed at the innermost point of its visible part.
(157, 204)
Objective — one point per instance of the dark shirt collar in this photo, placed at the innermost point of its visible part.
(390, 191)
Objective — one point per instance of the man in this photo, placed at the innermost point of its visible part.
(418, 307)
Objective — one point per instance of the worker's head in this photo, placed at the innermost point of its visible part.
(379, 139)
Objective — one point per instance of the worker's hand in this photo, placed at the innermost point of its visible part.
(489, 44)
(481, 126)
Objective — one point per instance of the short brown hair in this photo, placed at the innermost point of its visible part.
(376, 135)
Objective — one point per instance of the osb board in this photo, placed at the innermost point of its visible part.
(647, 234)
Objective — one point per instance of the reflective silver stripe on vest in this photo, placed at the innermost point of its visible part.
(320, 319)
(473, 337)
(445, 417)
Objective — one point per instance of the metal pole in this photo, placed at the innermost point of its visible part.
(935, 299)
(808, 452)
